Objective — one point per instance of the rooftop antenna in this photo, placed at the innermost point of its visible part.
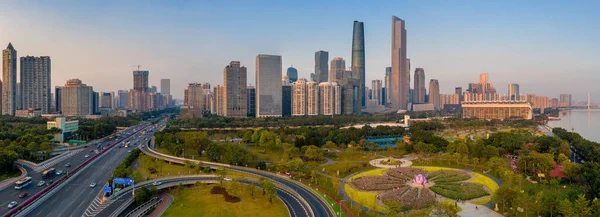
(139, 66)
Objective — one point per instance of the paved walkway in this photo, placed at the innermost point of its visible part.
(376, 163)
(472, 210)
(162, 206)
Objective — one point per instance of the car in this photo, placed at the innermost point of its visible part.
(41, 183)
(58, 173)
(129, 151)
(68, 165)
(226, 179)
(92, 150)
(157, 183)
(50, 182)
(22, 195)
(93, 185)
(12, 204)
(87, 155)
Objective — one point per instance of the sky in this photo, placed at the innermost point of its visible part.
(547, 47)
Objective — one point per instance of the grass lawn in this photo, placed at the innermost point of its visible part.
(198, 201)
(345, 168)
(375, 172)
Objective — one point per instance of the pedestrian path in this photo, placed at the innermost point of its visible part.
(473, 210)
(167, 200)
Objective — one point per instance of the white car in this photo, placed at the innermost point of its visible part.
(226, 179)
(87, 155)
(93, 185)
(58, 173)
(41, 183)
(12, 204)
(157, 183)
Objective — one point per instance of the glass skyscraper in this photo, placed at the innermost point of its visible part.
(358, 58)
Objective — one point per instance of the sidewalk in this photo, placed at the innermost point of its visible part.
(470, 210)
(162, 206)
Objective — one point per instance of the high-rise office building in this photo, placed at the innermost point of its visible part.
(399, 91)
(312, 98)
(458, 90)
(286, 100)
(165, 86)
(193, 97)
(358, 58)
(299, 95)
(434, 94)
(350, 98)
(292, 74)
(234, 82)
(388, 85)
(58, 99)
(419, 89)
(35, 83)
(513, 92)
(337, 70)
(268, 85)
(123, 99)
(251, 101)
(139, 95)
(9, 80)
(321, 66)
(377, 92)
(565, 100)
(77, 99)
(107, 100)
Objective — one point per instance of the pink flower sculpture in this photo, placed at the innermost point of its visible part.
(420, 180)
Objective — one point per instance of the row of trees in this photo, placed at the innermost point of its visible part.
(22, 138)
(211, 121)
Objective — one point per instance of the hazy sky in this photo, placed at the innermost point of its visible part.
(548, 47)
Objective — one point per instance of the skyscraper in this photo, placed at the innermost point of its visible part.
(312, 98)
(138, 97)
(321, 66)
(286, 100)
(377, 92)
(565, 100)
(268, 85)
(337, 70)
(434, 94)
(77, 99)
(330, 98)
(165, 86)
(513, 92)
(140, 80)
(358, 57)
(292, 74)
(299, 95)
(9, 80)
(251, 101)
(399, 90)
(388, 85)
(35, 83)
(234, 82)
(107, 100)
(194, 97)
(458, 90)
(419, 92)
(350, 98)
(123, 99)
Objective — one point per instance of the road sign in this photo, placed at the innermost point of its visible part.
(123, 181)
(107, 189)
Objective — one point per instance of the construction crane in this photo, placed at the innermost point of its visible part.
(139, 66)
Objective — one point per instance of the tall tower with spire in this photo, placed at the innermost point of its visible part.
(9, 80)
(358, 58)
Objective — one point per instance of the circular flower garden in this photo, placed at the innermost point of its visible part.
(416, 188)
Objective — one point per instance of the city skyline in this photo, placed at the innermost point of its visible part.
(437, 58)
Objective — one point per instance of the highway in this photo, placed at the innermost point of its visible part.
(317, 205)
(72, 199)
(295, 205)
(11, 194)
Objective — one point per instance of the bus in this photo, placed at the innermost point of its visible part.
(24, 182)
(48, 173)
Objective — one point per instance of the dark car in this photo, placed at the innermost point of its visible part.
(50, 182)
(22, 195)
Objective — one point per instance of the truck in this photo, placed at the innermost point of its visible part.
(127, 145)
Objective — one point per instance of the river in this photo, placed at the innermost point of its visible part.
(584, 122)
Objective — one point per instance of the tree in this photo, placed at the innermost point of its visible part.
(596, 206)
(270, 190)
(505, 196)
(330, 145)
(571, 170)
(251, 188)
(565, 207)
(222, 174)
(538, 205)
(313, 152)
(179, 189)
(581, 206)
(296, 165)
(462, 149)
(441, 209)
(590, 175)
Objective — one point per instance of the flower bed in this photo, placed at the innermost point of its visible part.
(375, 172)
(485, 181)
(366, 199)
(405, 173)
(376, 183)
(461, 191)
(446, 176)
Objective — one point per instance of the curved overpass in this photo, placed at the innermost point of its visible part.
(121, 200)
(319, 207)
